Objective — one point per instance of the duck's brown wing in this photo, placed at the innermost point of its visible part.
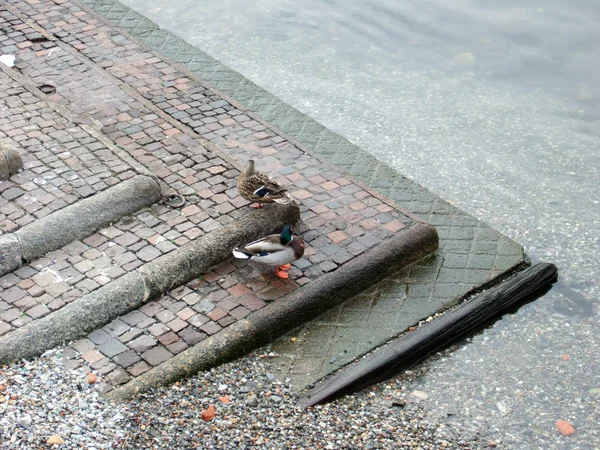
(263, 181)
(259, 187)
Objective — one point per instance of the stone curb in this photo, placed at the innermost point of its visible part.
(76, 221)
(186, 263)
(408, 246)
(74, 320)
(129, 292)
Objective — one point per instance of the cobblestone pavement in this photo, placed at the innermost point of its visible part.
(471, 254)
(171, 124)
(63, 163)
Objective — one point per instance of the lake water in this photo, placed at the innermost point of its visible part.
(495, 106)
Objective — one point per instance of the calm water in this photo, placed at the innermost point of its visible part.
(495, 106)
(540, 45)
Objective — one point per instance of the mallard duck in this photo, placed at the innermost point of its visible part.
(276, 250)
(259, 188)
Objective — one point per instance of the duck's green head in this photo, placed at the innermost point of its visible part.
(286, 235)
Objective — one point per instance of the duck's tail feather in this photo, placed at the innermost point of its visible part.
(241, 254)
(285, 199)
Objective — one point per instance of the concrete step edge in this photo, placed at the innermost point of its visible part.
(132, 290)
(261, 327)
(76, 221)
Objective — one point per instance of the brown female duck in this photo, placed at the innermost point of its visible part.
(258, 187)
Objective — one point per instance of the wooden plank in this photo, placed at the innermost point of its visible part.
(412, 347)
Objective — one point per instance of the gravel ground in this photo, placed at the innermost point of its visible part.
(483, 392)
(41, 398)
(253, 410)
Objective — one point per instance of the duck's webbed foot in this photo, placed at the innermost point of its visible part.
(282, 272)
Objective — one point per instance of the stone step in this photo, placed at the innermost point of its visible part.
(76, 221)
(298, 306)
(132, 290)
(194, 140)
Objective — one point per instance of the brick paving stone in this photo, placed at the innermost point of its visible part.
(130, 335)
(165, 316)
(27, 303)
(110, 232)
(146, 323)
(226, 321)
(210, 328)
(173, 306)
(112, 347)
(92, 356)
(156, 355)
(177, 347)
(192, 336)
(151, 308)
(99, 336)
(219, 294)
(239, 290)
(71, 295)
(10, 279)
(186, 313)
(103, 387)
(126, 239)
(43, 279)
(139, 369)
(4, 328)
(270, 294)
(57, 289)
(127, 358)
(142, 343)
(227, 304)
(216, 314)
(342, 257)
(103, 366)
(22, 320)
(158, 329)
(198, 320)
(87, 285)
(148, 253)
(82, 345)
(116, 327)
(252, 302)
(134, 318)
(204, 306)
(337, 236)
(10, 315)
(168, 338)
(117, 377)
(240, 312)
(177, 324)
(13, 294)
